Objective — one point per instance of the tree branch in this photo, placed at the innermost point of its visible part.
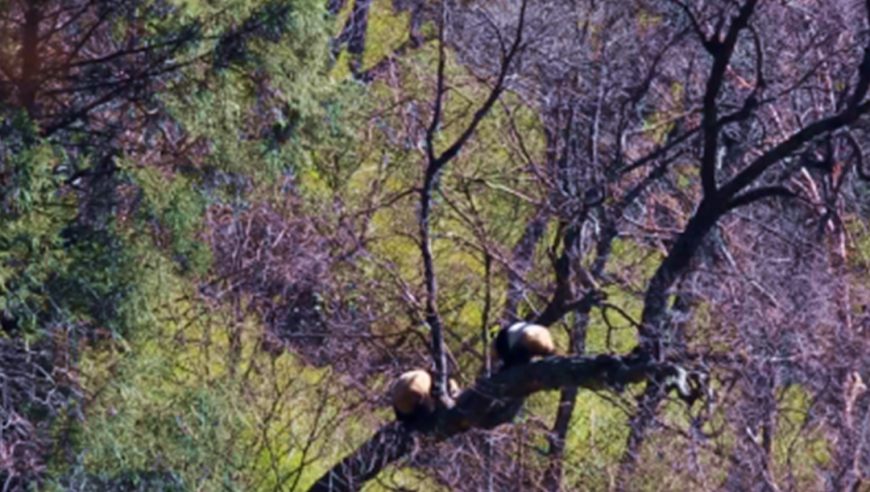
(859, 157)
(439, 93)
(433, 170)
(759, 194)
(494, 94)
(489, 403)
(31, 59)
(439, 391)
(793, 143)
(849, 115)
(721, 52)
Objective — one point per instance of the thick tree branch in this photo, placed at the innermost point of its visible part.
(709, 212)
(721, 52)
(792, 144)
(654, 319)
(863, 80)
(854, 110)
(553, 478)
(489, 403)
(680, 255)
(389, 444)
(712, 208)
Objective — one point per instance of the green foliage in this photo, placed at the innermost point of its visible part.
(30, 242)
(175, 209)
(798, 443)
(270, 103)
(386, 32)
(175, 400)
(49, 270)
(595, 442)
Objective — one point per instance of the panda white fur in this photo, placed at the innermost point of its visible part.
(412, 397)
(521, 342)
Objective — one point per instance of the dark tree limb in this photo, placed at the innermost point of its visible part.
(679, 257)
(494, 94)
(710, 210)
(863, 81)
(759, 194)
(760, 83)
(435, 164)
(439, 93)
(792, 144)
(708, 213)
(389, 444)
(489, 403)
(721, 52)
(854, 110)
(653, 321)
(858, 156)
(432, 172)
(567, 400)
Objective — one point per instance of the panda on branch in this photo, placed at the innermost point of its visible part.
(520, 342)
(412, 398)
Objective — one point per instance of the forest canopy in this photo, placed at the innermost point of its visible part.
(227, 228)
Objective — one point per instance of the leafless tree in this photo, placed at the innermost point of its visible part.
(760, 107)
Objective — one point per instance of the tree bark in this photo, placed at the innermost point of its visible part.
(30, 59)
(483, 406)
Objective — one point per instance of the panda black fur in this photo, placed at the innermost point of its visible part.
(520, 342)
(412, 398)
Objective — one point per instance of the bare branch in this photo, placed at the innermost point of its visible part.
(490, 403)
(439, 92)
(759, 194)
(721, 52)
(786, 148)
(433, 170)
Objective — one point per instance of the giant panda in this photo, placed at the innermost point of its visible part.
(520, 342)
(412, 398)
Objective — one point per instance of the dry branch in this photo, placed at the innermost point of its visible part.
(489, 403)
(435, 164)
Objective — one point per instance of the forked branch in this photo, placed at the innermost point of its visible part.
(434, 167)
